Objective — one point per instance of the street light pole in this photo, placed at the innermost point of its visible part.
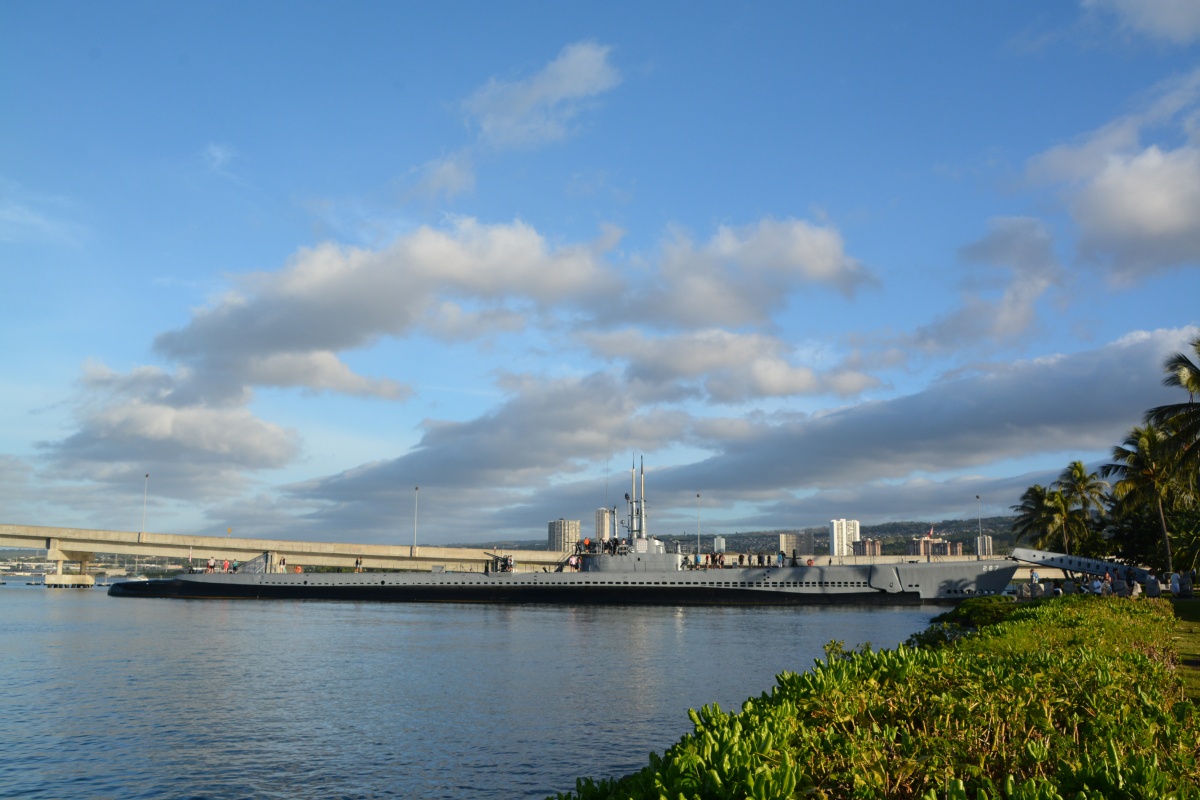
(697, 527)
(145, 493)
(979, 541)
(416, 495)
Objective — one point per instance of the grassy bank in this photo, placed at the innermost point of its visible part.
(1075, 697)
(1187, 634)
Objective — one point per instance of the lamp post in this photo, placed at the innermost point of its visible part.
(145, 493)
(416, 495)
(697, 527)
(979, 541)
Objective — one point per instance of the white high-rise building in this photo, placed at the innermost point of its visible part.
(843, 533)
(563, 535)
(603, 524)
(983, 545)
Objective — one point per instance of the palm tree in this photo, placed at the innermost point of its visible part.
(1031, 514)
(1182, 372)
(1083, 490)
(1061, 518)
(1145, 468)
(1041, 513)
(1182, 419)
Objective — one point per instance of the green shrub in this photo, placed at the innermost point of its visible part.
(1074, 697)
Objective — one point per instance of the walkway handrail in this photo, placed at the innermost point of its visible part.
(1088, 566)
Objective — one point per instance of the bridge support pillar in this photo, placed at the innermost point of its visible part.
(64, 580)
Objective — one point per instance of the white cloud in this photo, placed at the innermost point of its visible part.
(1176, 21)
(447, 177)
(318, 371)
(137, 422)
(1020, 248)
(1137, 205)
(1141, 213)
(724, 366)
(1052, 405)
(543, 107)
(741, 276)
(790, 249)
(284, 327)
(473, 280)
(513, 464)
(501, 463)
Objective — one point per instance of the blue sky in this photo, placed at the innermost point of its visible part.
(809, 260)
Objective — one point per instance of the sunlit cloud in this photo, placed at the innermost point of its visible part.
(1137, 205)
(720, 365)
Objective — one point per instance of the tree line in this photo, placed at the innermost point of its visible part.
(1141, 506)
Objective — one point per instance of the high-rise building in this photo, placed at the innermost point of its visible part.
(930, 546)
(868, 547)
(603, 524)
(983, 545)
(563, 534)
(718, 544)
(800, 543)
(843, 533)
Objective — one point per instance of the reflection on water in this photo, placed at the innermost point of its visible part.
(107, 697)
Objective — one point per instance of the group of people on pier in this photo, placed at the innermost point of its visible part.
(717, 560)
(1115, 582)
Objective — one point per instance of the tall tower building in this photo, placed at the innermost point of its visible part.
(983, 545)
(868, 547)
(603, 524)
(563, 535)
(843, 533)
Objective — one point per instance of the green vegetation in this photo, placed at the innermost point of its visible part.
(1068, 698)
(1150, 513)
(1187, 634)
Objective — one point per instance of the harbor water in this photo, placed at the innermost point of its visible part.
(116, 698)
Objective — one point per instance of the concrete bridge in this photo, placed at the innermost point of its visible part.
(80, 545)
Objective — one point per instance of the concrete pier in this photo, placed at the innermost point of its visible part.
(56, 581)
